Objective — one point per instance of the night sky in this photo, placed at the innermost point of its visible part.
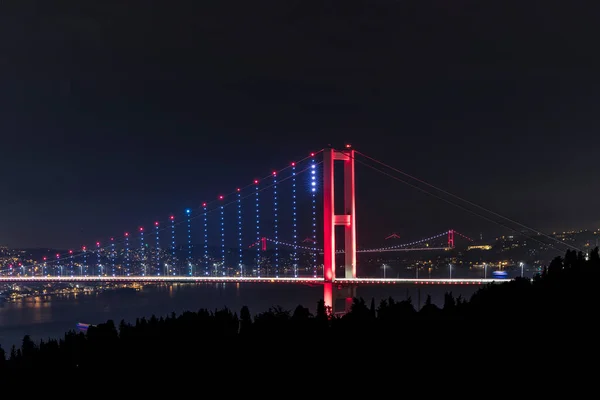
(116, 113)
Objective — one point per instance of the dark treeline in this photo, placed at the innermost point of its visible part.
(560, 306)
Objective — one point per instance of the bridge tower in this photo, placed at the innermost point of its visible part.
(331, 219)
(451, 238)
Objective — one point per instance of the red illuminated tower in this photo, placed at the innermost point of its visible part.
(263, 243)
(451, 238)
(331, 219)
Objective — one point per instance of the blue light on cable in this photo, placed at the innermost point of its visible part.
(113, 254)
(239, 219)
(275, 223)
(257, 228)
(142, 252)
(313, 191)
(98, 261)
(84, 269)
(189, 242)
(127, 253)
(206, 260)
(294, 223)
(222, 216)
(157, 248)
(172, 245)
(71, 266)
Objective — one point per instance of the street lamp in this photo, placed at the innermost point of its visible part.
(450, 270)
(384, 266)
(521, 264)
(484, 270)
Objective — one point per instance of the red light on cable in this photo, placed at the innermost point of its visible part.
(126, 234)
(221, 197)
(44, 258)
(293, 164)
(348, 146)
(203, 204)
(256, 181)
(238, 189)
(97, 243)
(70, 251)
(141, 229)
(156, 223)
(312, 154)
(172, 217)
(274, 173)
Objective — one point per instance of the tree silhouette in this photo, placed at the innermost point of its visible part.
(322, 314)
(449, 304)
(429, 310)
(372, 308)
(245, 320)
(301, 314)
(560, 304)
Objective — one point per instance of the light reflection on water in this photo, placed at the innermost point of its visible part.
(43, 317)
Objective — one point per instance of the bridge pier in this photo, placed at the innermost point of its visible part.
(331, 219)
(348, 293)
(333, 292)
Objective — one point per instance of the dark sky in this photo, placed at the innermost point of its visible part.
(115, 113)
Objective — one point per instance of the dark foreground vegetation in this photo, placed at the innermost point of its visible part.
(555, 313)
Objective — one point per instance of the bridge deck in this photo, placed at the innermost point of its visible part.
(225, 279)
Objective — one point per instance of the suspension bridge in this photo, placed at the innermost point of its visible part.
(251, 234)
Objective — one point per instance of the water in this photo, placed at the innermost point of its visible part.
(51, 317)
